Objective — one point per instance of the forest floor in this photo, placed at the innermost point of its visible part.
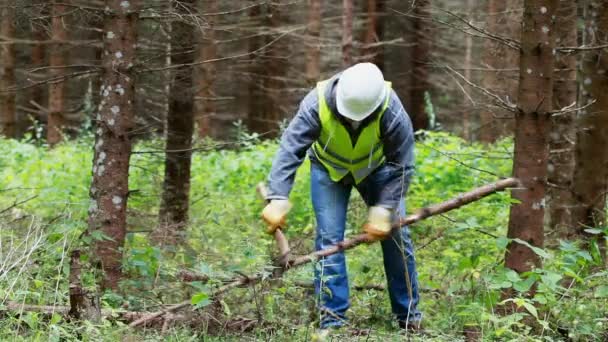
(459, 254)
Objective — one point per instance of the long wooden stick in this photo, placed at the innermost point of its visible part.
(459, 201)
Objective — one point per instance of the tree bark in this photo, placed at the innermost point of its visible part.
(420, 58)
(38, 59)
(590, 181)
(255, 121)
(204, 104)
(173, 215)
(313, 48)
(277, 66)
(502, 19)
(561, 140)
(57, 59)
(7, 71)
(468, 55)
(531, 135)
(347, 32)
(374, 33)
(115, 120)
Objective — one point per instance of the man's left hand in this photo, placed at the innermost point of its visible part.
(378, 225)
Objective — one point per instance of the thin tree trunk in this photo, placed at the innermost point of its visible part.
(38, 59)
(502, 19)
(420, 58)
(590, 181)
(57, 59)
(374, 33)
(7, 71)
(173, 215)
(275, 69)
(493, 59)
(110, 185)
(204, 104)
(531, 135)
(165, 28)
(347, 32)
(563, 135)
(468, 54)
(254, 120)
(313, 49)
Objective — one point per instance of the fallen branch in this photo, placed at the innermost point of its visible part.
(459, 201)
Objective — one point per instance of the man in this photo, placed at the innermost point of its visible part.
(357, 134)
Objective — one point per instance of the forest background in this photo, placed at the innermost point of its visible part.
(135, 132)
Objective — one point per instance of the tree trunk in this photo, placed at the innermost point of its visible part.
(420, 58)
(204, 104)
(173, 215)
(502, 19)
(38, 59)
(313, 48)
(374, 33)
(110, 185)
(57, 59)
(531, 135)
(492, 61)
(256, 104)
(561, 140)
(7, 71)
(347, 32)
(468, 55)
(590, 181)
(275, 64)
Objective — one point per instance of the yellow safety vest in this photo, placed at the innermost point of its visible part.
(335, 150)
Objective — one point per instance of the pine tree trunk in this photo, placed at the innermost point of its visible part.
(115, 120)
(420, 58)
(374, 33)
(204, 104)
(38, 59)
(274, 73)
(563, 135)
(173, 215)
(313, 48)
(502, 19)
(590, 181)
(7, 71)
(347, 32)
(532, 124)
(57, 59)
(255, 121)
(468, 55)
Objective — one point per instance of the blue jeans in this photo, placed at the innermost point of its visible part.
(330, 203)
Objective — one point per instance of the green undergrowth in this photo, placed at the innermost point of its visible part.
(459, 254)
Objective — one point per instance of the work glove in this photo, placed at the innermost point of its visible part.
(275, 214)
(378, 225)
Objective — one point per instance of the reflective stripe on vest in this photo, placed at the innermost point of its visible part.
(335, 149)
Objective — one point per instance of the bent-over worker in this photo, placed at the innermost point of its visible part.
(356, 133)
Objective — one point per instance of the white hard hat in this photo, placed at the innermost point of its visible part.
(360, 91)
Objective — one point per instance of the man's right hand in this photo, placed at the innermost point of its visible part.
(275, 214)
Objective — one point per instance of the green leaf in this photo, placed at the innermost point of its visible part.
(512, 275)
(538, 251)
(200, 300)
(531, 309)
(594, 231)
(524, 285)
(56, 318)
(502, 242)
(601, 292)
